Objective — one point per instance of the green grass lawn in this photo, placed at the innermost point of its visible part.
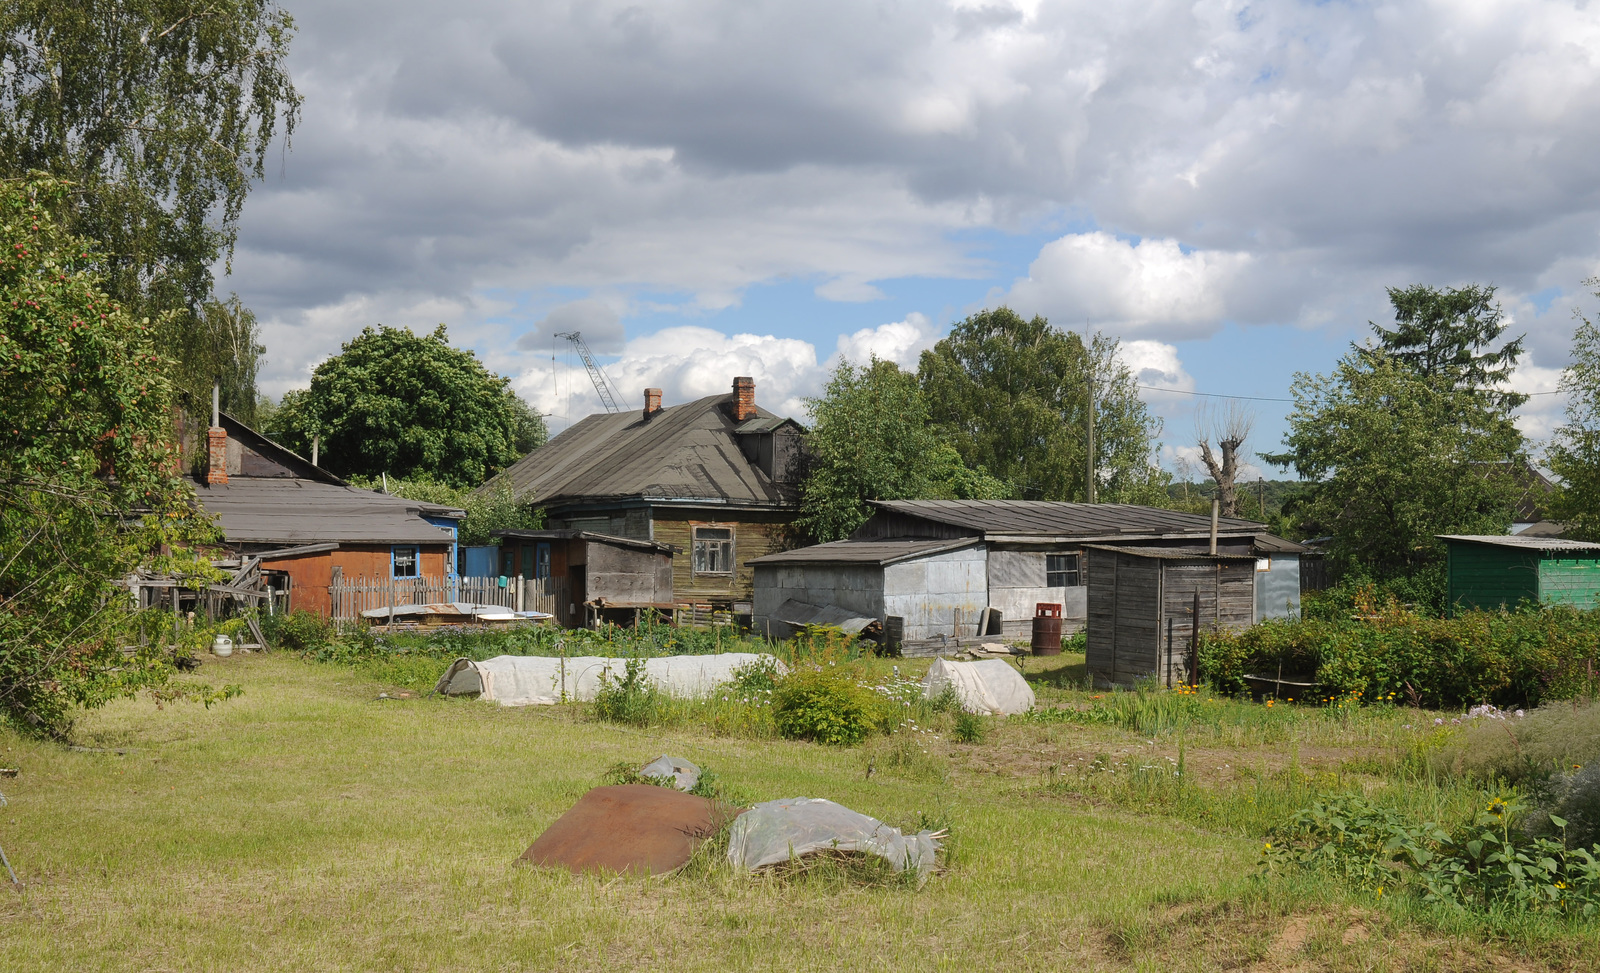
(307, 825)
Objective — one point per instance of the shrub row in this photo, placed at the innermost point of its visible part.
(1507, 658)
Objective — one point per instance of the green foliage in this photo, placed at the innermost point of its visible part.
(870, 440)
(1011, 396)
(1574, 452)
(1446, 334)
(827, 704)
(1484, 865)
(392, 402)
(1509, 658)
(492, 507)
(633, 699)
(1397, 458)
(220, 344)
(88, 480)
(160, 114)
(1550, 740)
(968, 727)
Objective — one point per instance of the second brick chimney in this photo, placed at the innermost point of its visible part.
(652, 402)
(744, 398)
(216, 442)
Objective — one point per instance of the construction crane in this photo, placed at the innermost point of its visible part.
(601, 384)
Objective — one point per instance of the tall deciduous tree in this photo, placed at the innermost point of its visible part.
(870, 440)
(1449, 335)
(1575, 449)
(161, 114)
(1230, 428)
(396, 403)
(1396, 458)
(85, 439)
(1012, 397)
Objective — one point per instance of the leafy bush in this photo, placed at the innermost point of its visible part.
(968, 727)
(1521, 657)
(300, 631)
(827, 704)
(633, 699)
(1489, 863)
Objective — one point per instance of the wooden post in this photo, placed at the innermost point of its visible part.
(1169, 651)
(336, 592)
(1215, 506)
(1088, 491)
(1194, 640)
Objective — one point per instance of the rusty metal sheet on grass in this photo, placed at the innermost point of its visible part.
(635, 828)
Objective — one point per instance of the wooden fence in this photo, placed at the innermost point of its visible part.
(352, 596)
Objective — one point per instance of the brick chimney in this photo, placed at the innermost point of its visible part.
(216, 443)
(744, 398)
(652, 402)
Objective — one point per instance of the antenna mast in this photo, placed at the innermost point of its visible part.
(601, 384)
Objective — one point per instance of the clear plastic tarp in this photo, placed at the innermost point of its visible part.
(528, 680)
(989, 687)
(683, 773)
(776, 831)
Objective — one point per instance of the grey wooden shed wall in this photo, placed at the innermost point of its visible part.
(1141, 606)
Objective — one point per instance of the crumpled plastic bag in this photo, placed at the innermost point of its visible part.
(775, 831)
(683, 773)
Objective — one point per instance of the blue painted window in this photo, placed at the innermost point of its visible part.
(541, 562)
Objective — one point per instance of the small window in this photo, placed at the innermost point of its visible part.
(1061, 571)
(405, 562)
(541, 562)
(713, 550)
(1263, 564)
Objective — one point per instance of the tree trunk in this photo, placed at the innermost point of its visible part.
(1223, 473)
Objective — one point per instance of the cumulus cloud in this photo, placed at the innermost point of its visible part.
(901, 342)
(1130, 287)
(1271, 164)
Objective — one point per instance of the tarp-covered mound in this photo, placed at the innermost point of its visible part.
(990, 687)
(524, 680)
(773, 832)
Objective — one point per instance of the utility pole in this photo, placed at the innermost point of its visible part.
(1089, 480)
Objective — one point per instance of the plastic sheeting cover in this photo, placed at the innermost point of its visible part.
(989, 687)
(773, 832)
(521, 680)
(683, 773)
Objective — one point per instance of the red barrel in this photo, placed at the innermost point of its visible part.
(1046, 628)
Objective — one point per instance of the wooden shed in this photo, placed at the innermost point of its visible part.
(1503, 570)
(1146, 603)
(588, 576)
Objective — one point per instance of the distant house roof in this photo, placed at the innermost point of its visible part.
(588, 535)
(681, 452)
(1051, 518)
(864, 552)
(1524, 542)
(297, 511)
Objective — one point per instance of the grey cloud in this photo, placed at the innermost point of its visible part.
(597, 321)
(700, 146)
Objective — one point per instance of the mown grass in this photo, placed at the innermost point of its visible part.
(311, 825)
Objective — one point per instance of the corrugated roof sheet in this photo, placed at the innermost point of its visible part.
(864, 552)
(1061, 519)
(292, 511)
(1524, 542)
(684, 452)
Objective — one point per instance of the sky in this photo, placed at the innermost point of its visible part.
(710, 189)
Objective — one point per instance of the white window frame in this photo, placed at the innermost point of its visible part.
(728, 544)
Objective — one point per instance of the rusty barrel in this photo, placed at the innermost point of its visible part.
(1046, 628)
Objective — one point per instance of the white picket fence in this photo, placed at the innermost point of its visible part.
(354, 595)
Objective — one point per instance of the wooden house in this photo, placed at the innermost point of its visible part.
(311, 530)
(1504, 570)
(714, 479)
(1146, 603)
(590, 576)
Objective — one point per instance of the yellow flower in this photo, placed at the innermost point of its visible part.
(1380, 890)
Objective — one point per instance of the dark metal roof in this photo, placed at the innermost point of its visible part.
(588, 535)
(1171, 553)
(294, 511)
(682, 452)
(293, 463)
(1060, 519)
(864, 552)
(1523, 542)
(1273, 544)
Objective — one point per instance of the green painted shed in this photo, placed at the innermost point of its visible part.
(1502, 570)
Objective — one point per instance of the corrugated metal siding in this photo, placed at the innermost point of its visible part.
(1569, 580)
(1485, 576)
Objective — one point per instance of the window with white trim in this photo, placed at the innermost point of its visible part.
(713, 550)
(405, 562)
